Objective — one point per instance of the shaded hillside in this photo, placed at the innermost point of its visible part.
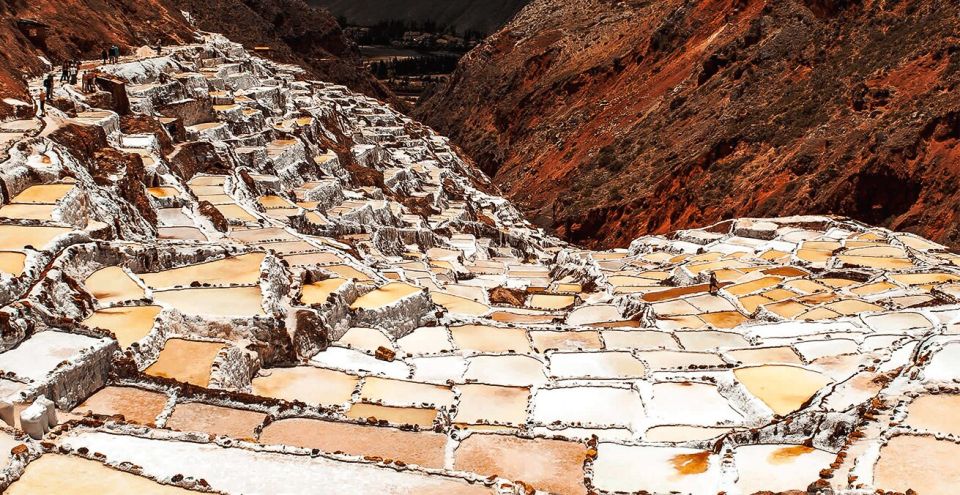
(606, 120)
(79, 28)
(463, 15)
(294, 31)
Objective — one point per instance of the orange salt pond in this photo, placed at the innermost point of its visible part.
(188, 361)
(927, 412)
(782, 388)
(136, 405)
(385, 296)
(12, 262)
(404, 393)
(224, 302)
(315, 386)
(129, 323)
(459, 305)
(112, 284)
(482, 338)
(17, 237)
(423, 448)
(27, 212)
(423, 417)
(242, 269)
(920, 463)
(492, 404)
(42, 194)
(779, 468)
(318, 292)
(163, 192)
(554, 466)
(550, 301)
(55, 473)
(216, 420)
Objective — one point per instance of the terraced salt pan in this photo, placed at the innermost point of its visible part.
(128, 324)
(27, 212)
(553, 466)
(182, 233)
(550, 301)
(600, 313)
(421, 448)
(37, 356)
(405, 393)
(216, 420)
(426, 340)
(459, 305)
(589, 406)
(599, 365)
(666, 469)
(439, 369)
(516, 370)
(17, 237)
(308, 384)
(943, 366)
(188, 361)
(931, 469)
(359, 362)
(263, 471)
(491, 404)
(42, 194)
(671, 404)
(423, 417)
(136, 405)
(929, 412)
(682, 433)
(480, 338)
(779, 468)
(12, 262)
(214, 301)
(385, 296)
(565, 341)
(242, 269)
(782, 388)
(365, 339)
(112, 285)
(55, 473)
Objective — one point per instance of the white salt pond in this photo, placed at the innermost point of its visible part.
(589, 406)
(214, 301)
(779, 468)
(665, 469)
(37, 356)
(602, 365)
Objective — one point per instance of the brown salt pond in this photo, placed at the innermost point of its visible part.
(920, 463)
(55, 473)
(16, 237)
(423, 417)
(136, 405)
(188, 361)
(42, 194)
(554, 466)
(482, 338)
(225, 302)
(783, 388)
(112, 284)
(242, 269)
(129, 324)
(315, 386)
(318, 292)
(927, 412)
(516, 317)
(12, 262)
(423, 448)
(492, 404)
(216, 420)
(385, 296)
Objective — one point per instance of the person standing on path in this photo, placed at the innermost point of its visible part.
(104, 55)
(48, 85)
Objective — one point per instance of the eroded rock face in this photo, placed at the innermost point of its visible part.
(606, 120)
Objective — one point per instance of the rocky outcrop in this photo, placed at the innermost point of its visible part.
(605, 120)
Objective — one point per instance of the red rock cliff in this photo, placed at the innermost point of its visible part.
(605, 120)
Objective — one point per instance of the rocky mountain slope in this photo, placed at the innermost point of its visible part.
(294, 32)
(605, 119)
(485, 16)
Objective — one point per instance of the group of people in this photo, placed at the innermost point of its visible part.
(70, 72)
(111, 55)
